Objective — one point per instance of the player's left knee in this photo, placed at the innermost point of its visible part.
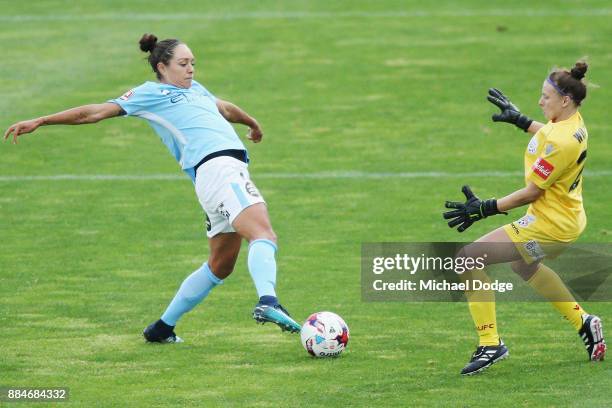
(222, 266)
(268, 234)
(263, 232)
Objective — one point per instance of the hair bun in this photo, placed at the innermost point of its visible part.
(579, 70)
(147, 42)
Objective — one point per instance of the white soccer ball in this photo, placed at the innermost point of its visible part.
(324, 334)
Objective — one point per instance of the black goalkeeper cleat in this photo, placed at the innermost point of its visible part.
(484, 357)
(591, 334)
(160, 332)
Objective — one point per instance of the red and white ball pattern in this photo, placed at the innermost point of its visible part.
(324, 334)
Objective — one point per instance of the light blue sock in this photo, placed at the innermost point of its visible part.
(193, 290)
(262, 266)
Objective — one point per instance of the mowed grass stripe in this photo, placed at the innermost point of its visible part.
(319, 175)
(310, 15)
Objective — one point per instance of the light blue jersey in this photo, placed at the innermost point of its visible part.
(186, 120)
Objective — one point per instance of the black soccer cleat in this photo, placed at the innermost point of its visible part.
(160, 332)
(591, 334)
(484, 357)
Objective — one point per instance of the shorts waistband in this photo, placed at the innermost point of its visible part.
(235, 153)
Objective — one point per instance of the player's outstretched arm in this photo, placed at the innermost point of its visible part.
(520, 197)
(510, 113)
(234, 114)
(75, 116)
(464, 214)
(534, 127)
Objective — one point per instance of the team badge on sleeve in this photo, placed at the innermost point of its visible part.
(542, 168)
(532, 147)
(127, 95)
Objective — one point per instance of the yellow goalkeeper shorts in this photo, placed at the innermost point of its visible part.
(532, 240)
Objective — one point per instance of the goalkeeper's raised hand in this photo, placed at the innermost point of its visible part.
(510, 113)
(474, 209)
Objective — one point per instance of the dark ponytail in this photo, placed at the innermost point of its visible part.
(161, 51)
(579, 70)
(147, 42)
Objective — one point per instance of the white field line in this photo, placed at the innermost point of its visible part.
(308, 15)
(325, 175)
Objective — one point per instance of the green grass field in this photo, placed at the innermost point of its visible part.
(358, 101)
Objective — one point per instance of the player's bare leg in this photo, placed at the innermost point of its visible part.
(254, 223)
(224, 250)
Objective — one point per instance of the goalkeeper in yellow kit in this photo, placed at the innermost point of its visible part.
(554, 160)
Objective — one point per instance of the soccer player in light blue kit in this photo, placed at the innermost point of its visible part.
(195, 126)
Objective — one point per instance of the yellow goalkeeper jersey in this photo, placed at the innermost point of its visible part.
(554, 161)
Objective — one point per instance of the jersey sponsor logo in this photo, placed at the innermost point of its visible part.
(542, 168)
(532, 147)
(127, 95)
(534, 250)
(525, 221)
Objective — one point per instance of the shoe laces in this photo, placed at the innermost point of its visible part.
(479, 351)
(282, 309)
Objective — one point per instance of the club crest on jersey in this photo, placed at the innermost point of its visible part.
(532, 147)
(548, 149)
(127, 95)
(524, 222)
(542, 168)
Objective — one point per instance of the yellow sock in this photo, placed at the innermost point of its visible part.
(548, 284)
(482, 309)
